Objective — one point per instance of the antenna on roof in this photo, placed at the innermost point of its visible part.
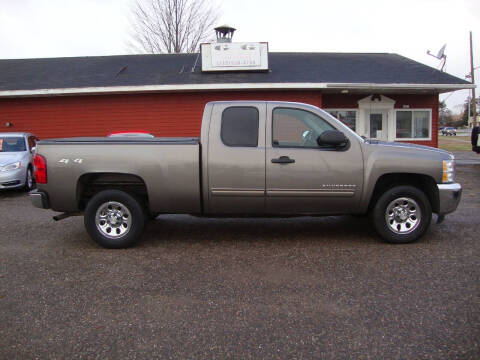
(440, 56)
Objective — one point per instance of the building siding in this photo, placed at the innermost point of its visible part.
(163, 114)
(166, 114)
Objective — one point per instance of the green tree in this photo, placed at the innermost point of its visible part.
(466, 107)
(444, 114)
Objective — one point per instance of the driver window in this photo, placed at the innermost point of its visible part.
(297, 128)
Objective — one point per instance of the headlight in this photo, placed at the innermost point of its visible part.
(9, 167)
(448, 171)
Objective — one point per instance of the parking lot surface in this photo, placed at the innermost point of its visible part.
(195, 288)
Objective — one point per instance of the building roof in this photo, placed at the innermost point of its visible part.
(169, 72)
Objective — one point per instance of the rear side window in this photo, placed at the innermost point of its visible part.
(240, 126)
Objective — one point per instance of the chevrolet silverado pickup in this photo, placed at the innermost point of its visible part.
(253, 158)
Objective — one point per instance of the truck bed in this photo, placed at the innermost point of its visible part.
(169, 168)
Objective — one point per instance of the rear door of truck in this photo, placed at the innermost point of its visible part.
(236, 159)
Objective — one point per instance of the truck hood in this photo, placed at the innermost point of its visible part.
(10, 157)
(408, 146)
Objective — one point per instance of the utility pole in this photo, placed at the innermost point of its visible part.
(468, 117)
(472, 74)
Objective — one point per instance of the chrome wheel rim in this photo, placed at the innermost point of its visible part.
(29, 179)
(403, 215)
(113, 220)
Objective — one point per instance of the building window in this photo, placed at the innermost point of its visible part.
(240, 126)
(413, 124)
(348, 117)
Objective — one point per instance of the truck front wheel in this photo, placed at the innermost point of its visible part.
(114, 219)
(402, 214)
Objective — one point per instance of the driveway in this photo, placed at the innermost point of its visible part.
(240, 288)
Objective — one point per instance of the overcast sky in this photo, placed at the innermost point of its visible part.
(54, 28)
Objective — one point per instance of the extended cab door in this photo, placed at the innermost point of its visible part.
(236, 159)
(301, 176)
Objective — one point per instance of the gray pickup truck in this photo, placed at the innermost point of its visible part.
(254, 158)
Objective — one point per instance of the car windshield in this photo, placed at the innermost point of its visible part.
(12, 144)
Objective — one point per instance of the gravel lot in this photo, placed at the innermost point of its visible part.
(240, 288)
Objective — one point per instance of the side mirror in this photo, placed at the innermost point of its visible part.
(32, 150)
(332, 138)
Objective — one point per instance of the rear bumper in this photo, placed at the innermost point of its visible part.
(39, 199)
(449, 197)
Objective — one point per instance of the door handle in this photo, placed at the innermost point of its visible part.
(283, 160)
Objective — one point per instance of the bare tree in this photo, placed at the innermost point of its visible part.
(171, 26)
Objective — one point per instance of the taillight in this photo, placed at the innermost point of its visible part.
(40, 165)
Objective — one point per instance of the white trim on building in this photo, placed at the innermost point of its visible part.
(383, 106)
(230, 86)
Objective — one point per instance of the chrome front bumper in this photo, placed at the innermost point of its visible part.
(39, 199)
(449, 197)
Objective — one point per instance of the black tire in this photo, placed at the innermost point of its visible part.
(114, 219)
(474, 135)
(153, 215)
(29, 180)
(394, 218)
(474, 139)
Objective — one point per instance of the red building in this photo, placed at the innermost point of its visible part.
(384, 96)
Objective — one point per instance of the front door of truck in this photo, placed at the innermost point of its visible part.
(302, 177)
(236, 159)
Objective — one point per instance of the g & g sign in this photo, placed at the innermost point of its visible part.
(234, 56)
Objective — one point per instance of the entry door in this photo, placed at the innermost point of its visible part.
(377, 125)
(236, 159)
(303, 178)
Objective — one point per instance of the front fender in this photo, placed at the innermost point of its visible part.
(401, 161)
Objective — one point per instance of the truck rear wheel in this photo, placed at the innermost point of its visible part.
(114, 219)
(402, 214)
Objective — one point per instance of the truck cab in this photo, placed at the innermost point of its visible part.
(264, 158)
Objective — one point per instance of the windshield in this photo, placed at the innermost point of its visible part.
(12, 144)
(344, 127)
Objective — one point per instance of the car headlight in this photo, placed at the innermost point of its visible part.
(448, 171)
(12, 166)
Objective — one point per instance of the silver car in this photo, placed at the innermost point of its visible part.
(449, 131)
(16, 160)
